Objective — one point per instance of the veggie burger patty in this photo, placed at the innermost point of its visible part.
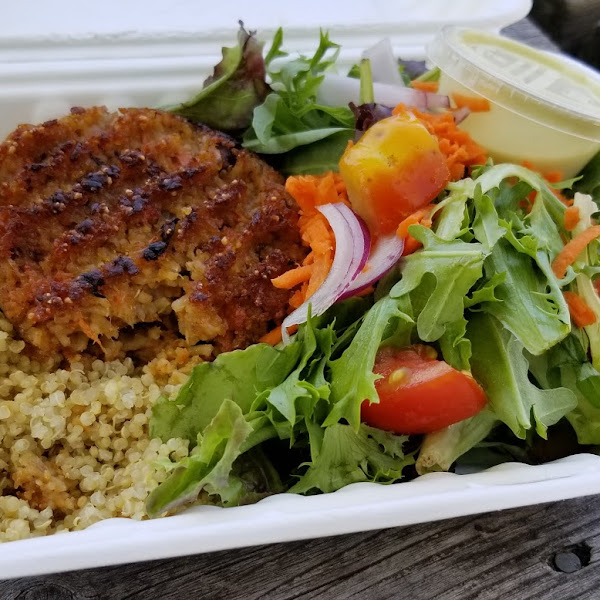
(110, 222)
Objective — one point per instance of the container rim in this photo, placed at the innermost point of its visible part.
(457, 58)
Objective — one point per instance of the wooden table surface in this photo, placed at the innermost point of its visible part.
(549, 552)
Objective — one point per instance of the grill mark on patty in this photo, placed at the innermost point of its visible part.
(34, 144)
(147, 205)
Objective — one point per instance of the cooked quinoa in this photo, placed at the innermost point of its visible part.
(75, 447)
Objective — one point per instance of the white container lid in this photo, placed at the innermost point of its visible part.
(54, 55)
(39, 30)
(547, 88)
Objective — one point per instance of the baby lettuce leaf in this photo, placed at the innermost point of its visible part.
(589, 183)
(486, 226)
(351, 375)
(228, 408)
(585, 420)
(540, 225)
(588, 260)
(500, 366)
(347, 456)
(485, 290)
(441, 448)
(291, 116)
(566, 365)
(452, 218)
(209, 467)
(510, 195)
(238, 376)
(532, 306)
(318, 157)
(230, 95)
(454, 265)
(275, 50)
(300, 391)
(455, 347)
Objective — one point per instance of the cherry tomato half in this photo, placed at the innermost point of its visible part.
(419, 394)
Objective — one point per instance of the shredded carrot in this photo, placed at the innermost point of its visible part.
(273, 337)
(311, 191)
(473, 103)
(457, 145)
(420, 216)
(553, 176)
(293, 277)
(571, 218)
(550, 177)
(568, 255)
(581, 313)
(86, 328)
(425, 86)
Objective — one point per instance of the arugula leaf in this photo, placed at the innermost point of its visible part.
(277, 129)
(485, 290)
(291, 117)
(532, 307)
(235, 88)
(352, 377)
(455, 347)
(452, 215)
(497, 177)
(501, 368)
(455, 265)
(566, 365)
(285, 396)
(350, 456)
(585, 420)
(275, 50)
(486, 226)
(209, 467)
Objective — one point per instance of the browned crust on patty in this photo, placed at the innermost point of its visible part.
(111, 220)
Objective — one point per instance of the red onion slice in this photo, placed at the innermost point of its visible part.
(436, 100)
(385, 254)
(352, 245)
(460, 114)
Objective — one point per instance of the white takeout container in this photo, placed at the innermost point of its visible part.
(43, 73)
(544, 108)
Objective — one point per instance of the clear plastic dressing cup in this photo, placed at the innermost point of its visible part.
(544, 108)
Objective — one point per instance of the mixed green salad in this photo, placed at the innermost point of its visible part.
(484, 292)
